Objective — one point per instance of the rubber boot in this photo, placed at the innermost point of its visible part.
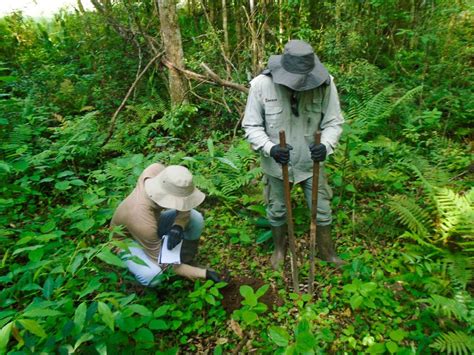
(325, 246)
(280, 243)
(189, 251)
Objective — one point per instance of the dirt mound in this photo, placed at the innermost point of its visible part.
(232, 297)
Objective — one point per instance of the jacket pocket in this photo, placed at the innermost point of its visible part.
(273, 119)
(315, 105)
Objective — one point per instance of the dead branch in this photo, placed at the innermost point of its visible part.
(211, 77)
(130, 90)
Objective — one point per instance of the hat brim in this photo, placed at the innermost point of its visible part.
(298, 82)
(166, 200)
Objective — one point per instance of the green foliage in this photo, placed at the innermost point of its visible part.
(402, 76)
(454, 343)
(251, 308)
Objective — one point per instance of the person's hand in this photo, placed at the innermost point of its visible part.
(281, 154)
(318, 152)
(175, 235)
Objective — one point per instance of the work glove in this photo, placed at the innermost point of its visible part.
(175, 235)
(281, 155)
(318, 152)
(214, 276)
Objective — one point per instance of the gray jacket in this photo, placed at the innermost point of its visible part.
(268, 111)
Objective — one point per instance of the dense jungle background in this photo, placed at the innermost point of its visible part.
(90, 98)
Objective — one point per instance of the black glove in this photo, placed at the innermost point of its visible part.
(175, 235)
(281, 155)
(318, 151)
(214, 276)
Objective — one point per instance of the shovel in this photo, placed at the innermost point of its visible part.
(314, 209)
(289, 213)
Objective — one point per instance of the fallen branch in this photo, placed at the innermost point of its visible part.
(210, 78)
(130, 90)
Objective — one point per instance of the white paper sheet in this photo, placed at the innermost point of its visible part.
(172, 256)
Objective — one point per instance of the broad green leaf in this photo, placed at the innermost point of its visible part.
(262, 290)
(368, 287)
(376, 348)
(303, 326)
(392, 347)
(161, 311)
(249, 317)
(80, 317)
(350, 188)
(84, 225)
(210, 299)
(398, 335)
(356, 301)
(158, 324)
(41, 312)
(107, 315)
(305, 342)
(144, 338)
(77, 182)
(84, 337)
(141, 310)
(93, 285)
(65, 173)
(263, 237)
(48, 287)
(48, 226)
(110, 258)
(30, 248)
(249, 295)
(5, 166)
(279, 336)
(33, 327)
(5, 337)
(62, 185)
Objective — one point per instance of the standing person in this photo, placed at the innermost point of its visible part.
(295, 93)
(162, 202)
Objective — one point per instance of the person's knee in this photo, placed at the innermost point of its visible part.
(324, 215)
(276, 214)
(147, 276)
(195, 226)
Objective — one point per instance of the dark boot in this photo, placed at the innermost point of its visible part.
(279, 241)
(325, 246)
(189, 251)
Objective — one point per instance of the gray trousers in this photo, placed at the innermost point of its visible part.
(275, 199)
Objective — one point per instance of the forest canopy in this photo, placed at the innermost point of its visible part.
(90, 98)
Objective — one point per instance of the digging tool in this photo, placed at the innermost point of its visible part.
(289, 214)
(314, 210)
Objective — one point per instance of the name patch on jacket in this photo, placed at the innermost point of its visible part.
(270, 100)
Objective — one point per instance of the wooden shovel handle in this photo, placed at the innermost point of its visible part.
(314, 210)
(289, 214)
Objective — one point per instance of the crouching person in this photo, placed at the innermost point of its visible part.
(162, 203)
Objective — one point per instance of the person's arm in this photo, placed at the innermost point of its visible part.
(254, 124)
(331, 125)
(182, 219)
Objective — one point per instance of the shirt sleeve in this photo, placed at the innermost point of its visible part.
(331, 125)
(254, 123)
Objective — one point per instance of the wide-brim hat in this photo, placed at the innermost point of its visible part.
(174, 188)
(298, 68)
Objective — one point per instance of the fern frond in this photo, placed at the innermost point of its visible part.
(411, 215)
(455, 212)
(448, 307)
(460, 270)
(456, 342)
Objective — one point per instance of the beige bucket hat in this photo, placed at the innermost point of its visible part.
(174, 188)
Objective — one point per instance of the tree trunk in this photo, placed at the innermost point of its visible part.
(224, 28)
(171, 37)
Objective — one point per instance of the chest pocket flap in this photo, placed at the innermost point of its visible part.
(273, 110)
